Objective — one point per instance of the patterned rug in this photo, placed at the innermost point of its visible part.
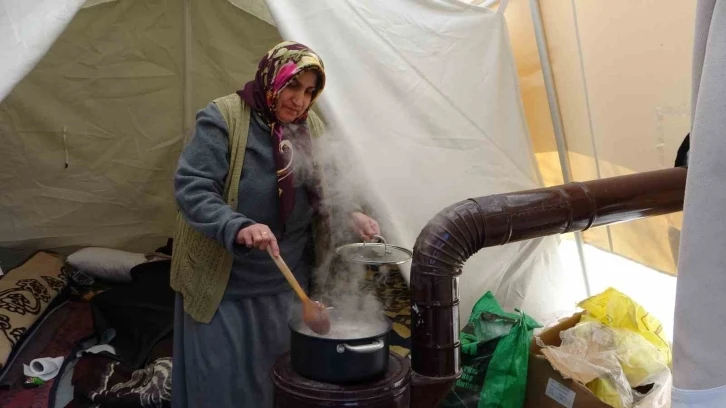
(77, 324)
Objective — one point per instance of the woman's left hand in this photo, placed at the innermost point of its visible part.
(365, 226)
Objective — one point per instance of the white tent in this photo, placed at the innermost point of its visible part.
(606, 90)
(424, 94)
(99, 96)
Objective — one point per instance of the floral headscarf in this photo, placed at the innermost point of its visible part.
(282, 64)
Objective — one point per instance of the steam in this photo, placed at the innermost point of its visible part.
(336, 283)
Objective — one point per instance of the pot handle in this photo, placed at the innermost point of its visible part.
(383, 241)
(363, 349)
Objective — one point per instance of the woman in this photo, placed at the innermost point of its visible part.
(247, 180)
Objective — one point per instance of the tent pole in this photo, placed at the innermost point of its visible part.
(557, 124)
(187, 114)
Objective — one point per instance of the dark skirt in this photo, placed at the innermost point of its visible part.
(227, 362)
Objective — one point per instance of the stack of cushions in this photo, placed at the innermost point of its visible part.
(25, 293)
(107, 264)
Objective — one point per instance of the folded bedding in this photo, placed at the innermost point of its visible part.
(26, 292)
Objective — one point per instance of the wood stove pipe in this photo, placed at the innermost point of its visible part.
(459, 231)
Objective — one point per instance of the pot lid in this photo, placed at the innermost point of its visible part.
(376, 253)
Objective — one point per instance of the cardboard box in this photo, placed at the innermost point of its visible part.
(545, 386)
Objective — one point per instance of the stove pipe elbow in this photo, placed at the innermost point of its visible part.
(459, 231)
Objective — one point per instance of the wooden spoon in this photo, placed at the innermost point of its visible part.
(315, 316)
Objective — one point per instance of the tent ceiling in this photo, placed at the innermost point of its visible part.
(257, 8)
(108, 99)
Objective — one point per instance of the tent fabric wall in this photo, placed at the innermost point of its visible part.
(227, 44)
(106, 100)
(622, 72)
(534, 95)
(427, 94)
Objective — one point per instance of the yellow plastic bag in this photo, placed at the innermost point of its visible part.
(616, 310)
(606, 389)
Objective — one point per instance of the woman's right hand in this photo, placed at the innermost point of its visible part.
(258, 236)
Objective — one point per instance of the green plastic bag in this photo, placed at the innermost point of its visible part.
(494, 356)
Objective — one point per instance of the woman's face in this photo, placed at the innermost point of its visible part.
(294, 99)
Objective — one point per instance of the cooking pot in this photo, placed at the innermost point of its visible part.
(355, 349)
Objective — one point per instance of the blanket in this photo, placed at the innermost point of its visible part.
(101, 380)
(139, 313)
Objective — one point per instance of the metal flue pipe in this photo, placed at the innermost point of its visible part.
(459, 231)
